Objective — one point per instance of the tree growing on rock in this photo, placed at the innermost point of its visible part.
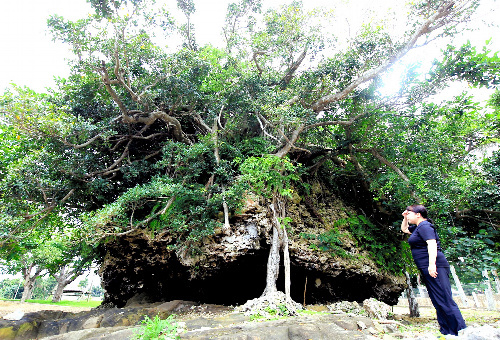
(273, 177)
(141, 138)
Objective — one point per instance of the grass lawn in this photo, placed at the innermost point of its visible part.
(81, 303)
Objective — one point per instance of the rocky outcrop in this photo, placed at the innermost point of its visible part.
(48, 323)
(192, 321)
(341, 320)
(231, 266)
(318, 326)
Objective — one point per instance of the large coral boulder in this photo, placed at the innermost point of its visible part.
(230, 267)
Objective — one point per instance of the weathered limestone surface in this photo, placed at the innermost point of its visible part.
(208, 322)
(232, 267)
(337, 321)
(46, 324)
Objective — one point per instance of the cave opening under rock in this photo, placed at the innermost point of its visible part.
(235, 282)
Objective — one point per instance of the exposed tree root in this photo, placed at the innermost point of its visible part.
(270, 305)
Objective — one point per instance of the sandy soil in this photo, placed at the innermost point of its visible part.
(7, 307)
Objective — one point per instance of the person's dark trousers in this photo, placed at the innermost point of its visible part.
(448, 314)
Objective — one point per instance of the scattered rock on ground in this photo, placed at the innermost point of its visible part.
(16, 315)
(485, 332)
(346, 307)
(376, 309)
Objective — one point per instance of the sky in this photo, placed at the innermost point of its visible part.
(29, 57)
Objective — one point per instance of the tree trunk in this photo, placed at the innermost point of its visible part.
(286, 263)
(225, 208)
(273, 264)
(412, 300)
(215, 139)
(28, 289)
(476, 301)
(61, 283)
(489, 292)
(284, 243)
(280, 239)
(29, 281)
(497, 282)
(271, 297)
(59, 291)
(17, 290)
(63, 279)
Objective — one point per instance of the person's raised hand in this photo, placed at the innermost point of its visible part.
(433, 271)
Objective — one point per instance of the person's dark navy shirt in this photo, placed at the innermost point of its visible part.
(418, 244)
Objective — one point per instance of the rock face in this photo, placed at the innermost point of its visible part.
(192, 321)
(342, 320)
(232, 266)
(59, 324)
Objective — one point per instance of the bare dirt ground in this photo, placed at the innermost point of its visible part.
(7, 307)
(469, 314)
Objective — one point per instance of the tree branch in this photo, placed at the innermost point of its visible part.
(289, 145)
(112, 167)
(143, 222)
(289, 75)
(302, 127)
(261, 118)
(445, 10)
(465, 211)
(391, 165)
(121, 80)
(335, 122)
(107, 83)
(480, 220)
(51, 207)
(254, 58)
(197, 118)
(79, 146)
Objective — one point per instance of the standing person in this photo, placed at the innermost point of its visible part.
(430, 260)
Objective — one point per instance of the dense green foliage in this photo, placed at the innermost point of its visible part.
(11, 289)
(366, 237)
(142, 138)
